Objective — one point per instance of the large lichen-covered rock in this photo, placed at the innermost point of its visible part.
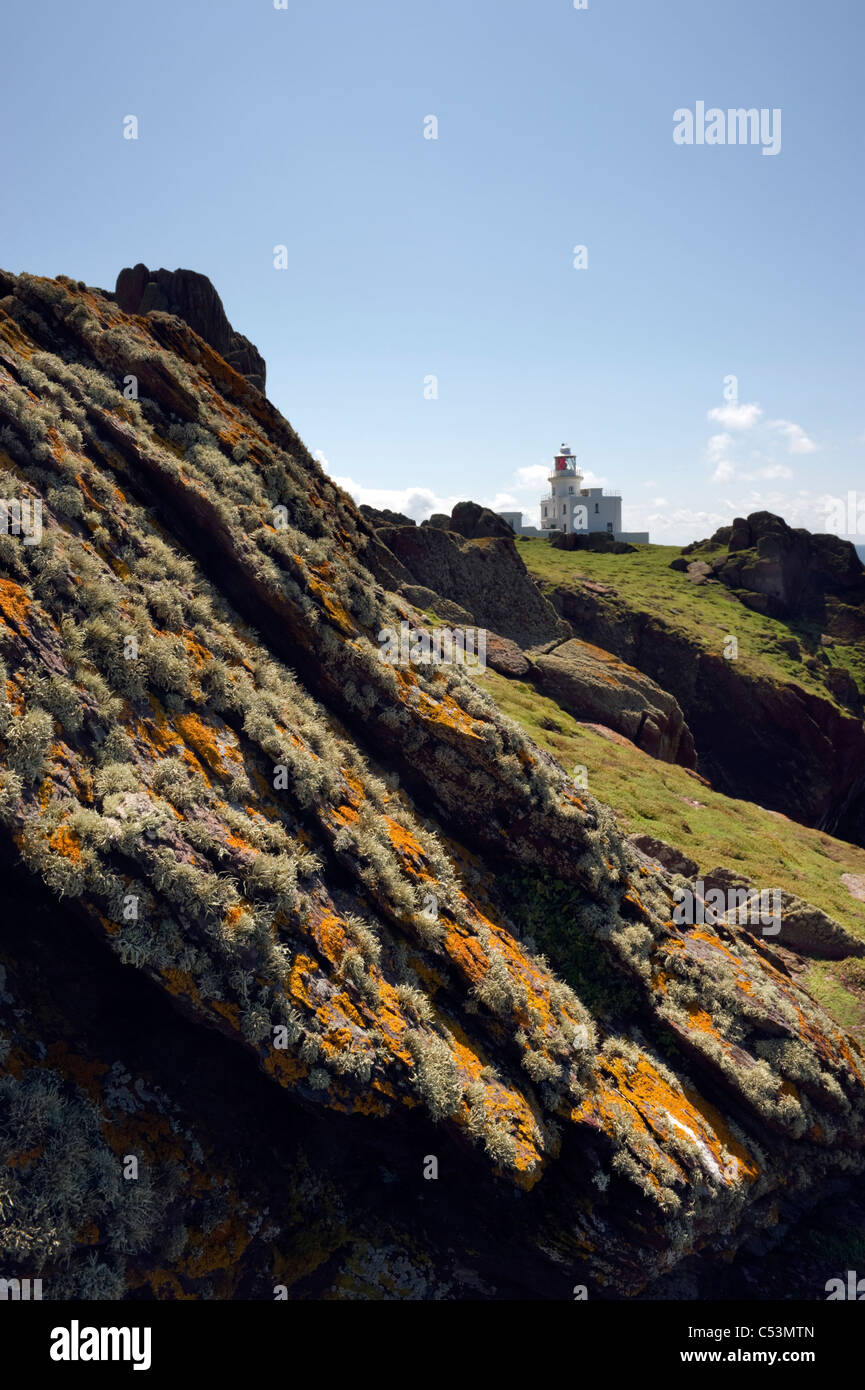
(597, 686)
(484, 576)
(363, 897)
(193, 298)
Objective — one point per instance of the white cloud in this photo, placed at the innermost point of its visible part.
(797, 440)
(735, 417)
(776, 470)
(416, 502)
(717, 450)
(718, 446)
(672, 527)
(535, 476)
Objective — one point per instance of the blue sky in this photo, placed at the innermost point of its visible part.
(410, 257)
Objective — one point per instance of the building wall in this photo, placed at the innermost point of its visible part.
(604, 513)
(601, 514)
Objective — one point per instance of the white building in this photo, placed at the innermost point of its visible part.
(570, 507)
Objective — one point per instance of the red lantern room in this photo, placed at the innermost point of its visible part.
(565, 461)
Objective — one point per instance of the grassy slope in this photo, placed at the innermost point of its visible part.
(656, 798)
(704, 613)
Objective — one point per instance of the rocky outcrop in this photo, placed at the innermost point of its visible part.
(594, 685)
(472, 521)
(365, 900)
(192, 298)
(783, 572)
(485, 577)
(383, 516)
(590, 540)
(793, 751)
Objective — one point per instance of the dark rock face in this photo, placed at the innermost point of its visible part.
(471, 520)
(592, 540)
(192, 298)
(793, 751)
(384, 516)
(485, 577)
(785, 571)
(594, 685)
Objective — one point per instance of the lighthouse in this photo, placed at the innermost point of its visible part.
(564, 509)
(571, 508)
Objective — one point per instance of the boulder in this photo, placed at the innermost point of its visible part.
(505, 656)
(594, 685)
(473, 521)
(590, 540)
(789, 570)
(657, 851)
(486, 577)
(192, 298)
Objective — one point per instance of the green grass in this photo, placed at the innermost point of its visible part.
(705, 614)
(653, 798)
(840, 987)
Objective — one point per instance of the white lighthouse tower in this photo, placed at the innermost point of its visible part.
(565, 508)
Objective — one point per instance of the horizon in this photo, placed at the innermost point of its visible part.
(494, 237)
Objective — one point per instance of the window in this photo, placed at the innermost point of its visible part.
(610, 527)
(596, 506)
(570, 489)
(564, 509)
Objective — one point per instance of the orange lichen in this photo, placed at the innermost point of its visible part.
(221, 1249)
(408, 846)
(24, 1157)
(231, 1012)
(10, 330)
(699, 1019)
(14, 603)
(84, 1071)
(329, 602)
(64, 841)
(181, 984)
